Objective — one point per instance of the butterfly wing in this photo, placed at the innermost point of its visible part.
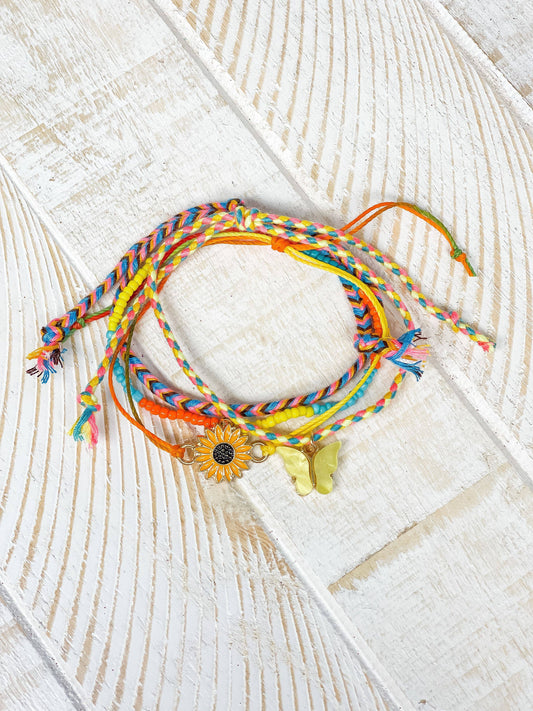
(324, 465)
(297, 464)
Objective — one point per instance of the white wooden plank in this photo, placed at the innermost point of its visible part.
(373, 101)
(438, 603)
(504, 32)
(298, 335)
(26, 682)
(122, 155)
(153, 590)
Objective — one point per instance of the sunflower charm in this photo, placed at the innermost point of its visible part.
(223, 452)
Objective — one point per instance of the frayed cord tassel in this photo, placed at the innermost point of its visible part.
(85, 428)
(406, 355)
(47, 358)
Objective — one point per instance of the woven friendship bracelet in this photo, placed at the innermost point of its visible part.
(225, 448)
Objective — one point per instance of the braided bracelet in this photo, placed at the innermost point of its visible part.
(225, 449)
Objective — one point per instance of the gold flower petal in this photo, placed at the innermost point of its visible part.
(235, 470)
(214, 434)
(236, 437)
(204, 450)
(228, 432)
(242, 441)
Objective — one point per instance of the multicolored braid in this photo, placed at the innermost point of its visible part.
(59, 329)
(143, 270)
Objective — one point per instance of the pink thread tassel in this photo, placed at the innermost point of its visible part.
(85, 428)
(46, 359)
(406, 355)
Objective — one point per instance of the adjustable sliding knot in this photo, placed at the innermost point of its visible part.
(80, 323)
(460, 256)
(280, 244)
(245, 218)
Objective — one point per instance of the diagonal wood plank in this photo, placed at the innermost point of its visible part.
(503, 31)
(26, 682)
(153, 590)
(103, 150)
(461, 571)
(370, 101)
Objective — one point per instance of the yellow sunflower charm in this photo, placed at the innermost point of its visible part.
(224, 452)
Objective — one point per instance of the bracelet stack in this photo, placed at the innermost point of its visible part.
(226, 448)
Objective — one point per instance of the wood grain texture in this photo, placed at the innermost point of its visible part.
(504, 32)
(153, 590)
(461, 571)
(26, 683)
(114, 126)
(370, 101)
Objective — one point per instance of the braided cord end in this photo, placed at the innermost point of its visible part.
(456, 252)
(405, 354)
(85, 428)
(47, 357)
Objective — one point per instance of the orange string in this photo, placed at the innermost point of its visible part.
(381, 207)
(174, 449)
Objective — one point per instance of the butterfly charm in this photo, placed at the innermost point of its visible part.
(312, 469)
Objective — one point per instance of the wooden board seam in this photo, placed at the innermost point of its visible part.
(513, 451)
(482, 62)
(325, 601)
(72, 689)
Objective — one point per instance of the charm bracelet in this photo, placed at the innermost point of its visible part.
(225, 449)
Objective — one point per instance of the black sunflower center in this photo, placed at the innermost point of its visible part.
(223, 453)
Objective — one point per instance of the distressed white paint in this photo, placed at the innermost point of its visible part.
(26, 682)
(113, 124)
(457, 578)
(150, 589)
(504, 32)
(404, 116)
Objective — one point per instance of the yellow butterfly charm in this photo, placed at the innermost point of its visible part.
(313, 469)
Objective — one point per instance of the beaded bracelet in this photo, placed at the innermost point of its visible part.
(225, 449)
